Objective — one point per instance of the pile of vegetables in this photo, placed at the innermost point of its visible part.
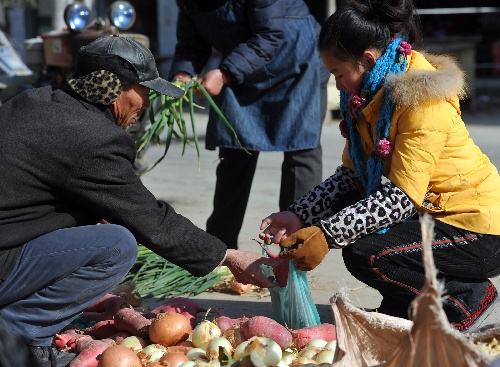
(170, 335)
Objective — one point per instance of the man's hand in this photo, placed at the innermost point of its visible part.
(213, 81)
(246, 267)
(307, 247)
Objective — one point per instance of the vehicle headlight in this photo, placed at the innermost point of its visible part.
(76, 16)
(122, 15)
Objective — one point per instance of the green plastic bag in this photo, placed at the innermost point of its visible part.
(293, 305)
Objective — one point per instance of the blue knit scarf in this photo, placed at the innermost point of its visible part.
(370, 169)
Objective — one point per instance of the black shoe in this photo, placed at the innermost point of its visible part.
(51, 357)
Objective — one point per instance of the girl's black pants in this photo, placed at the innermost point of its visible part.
(392, 264)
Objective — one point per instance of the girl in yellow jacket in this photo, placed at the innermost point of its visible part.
(407, 151)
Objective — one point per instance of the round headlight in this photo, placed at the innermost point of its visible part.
(76, 16)
(122, 15)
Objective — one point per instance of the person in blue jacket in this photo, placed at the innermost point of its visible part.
(271, 86)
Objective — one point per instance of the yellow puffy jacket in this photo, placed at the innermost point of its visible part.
(433, 158)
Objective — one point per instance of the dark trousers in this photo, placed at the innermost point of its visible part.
(59, 275)
(300, 171)
(392, 264)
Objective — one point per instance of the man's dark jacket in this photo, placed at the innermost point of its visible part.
(65, 163)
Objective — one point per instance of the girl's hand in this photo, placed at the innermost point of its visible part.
(278, 226)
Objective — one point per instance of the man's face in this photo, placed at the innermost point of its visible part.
(132, 102)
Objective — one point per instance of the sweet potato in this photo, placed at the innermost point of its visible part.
(224, 323)
(302, 337)
(266, 327)
(131, 321)
(89, 352)
(102, 329)
(100, 305)
(105, 308)
(68, 342)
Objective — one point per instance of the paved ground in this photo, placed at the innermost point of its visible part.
(189, 186)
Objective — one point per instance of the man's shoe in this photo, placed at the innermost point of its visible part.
(51, 357)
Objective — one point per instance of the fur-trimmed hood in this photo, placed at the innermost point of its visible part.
(428, 77)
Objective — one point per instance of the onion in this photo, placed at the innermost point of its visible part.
(134, 342)
(118, 355)
(178, 348)
(302, 361)
(174, 359)
(309, 352)
(239, 288)
(203, 333)
(216, 343)
(267, 350)
(186, 343)
(152, 353)
(235, 335)
(320, 343)
(196, 353)
(325, 356)
(169, 328)
(287, 357)
(332, 345)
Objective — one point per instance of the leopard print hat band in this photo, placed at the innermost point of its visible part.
(99, 87)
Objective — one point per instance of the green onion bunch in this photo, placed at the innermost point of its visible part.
(154, 276)
(167, 112)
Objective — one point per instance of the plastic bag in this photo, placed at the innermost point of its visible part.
(293, 305)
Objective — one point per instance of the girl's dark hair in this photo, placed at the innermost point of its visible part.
(361, 24)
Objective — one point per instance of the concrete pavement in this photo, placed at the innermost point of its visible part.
(188, 186)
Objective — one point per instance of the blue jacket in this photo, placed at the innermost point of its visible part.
(269, 47)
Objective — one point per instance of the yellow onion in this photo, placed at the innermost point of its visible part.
(169, 328)
(239, 288)
(118, 355)
(174, 359)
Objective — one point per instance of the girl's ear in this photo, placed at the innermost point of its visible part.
(370, 58)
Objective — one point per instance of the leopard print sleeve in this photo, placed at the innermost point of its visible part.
(317, 203)
(384, 208)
